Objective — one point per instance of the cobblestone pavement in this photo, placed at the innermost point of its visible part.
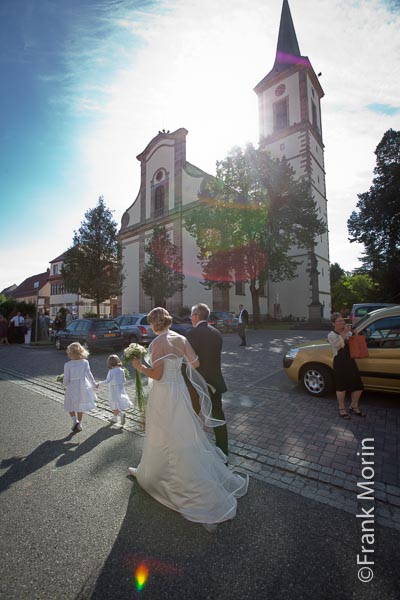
(278, 433)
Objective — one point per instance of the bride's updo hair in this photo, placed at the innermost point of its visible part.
(159, 318)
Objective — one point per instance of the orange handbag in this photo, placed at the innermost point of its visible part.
(358, 346)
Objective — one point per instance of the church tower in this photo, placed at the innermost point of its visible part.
(289, 101)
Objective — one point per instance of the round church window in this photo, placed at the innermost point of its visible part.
(281, 89)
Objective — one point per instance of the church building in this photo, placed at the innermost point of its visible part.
(289, 98)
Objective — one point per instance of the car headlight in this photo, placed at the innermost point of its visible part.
(292, 353)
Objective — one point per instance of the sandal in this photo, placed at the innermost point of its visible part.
(344, 414)
(356, 411)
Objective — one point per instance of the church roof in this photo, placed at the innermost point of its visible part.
(287, 50)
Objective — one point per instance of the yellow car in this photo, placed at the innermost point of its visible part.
(311, 363)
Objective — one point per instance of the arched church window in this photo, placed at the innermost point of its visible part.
(159, 200)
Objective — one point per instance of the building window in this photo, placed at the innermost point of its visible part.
(314, 115)
(159, 201)
(262, 291)
(281, 114)
(239, 288)
(55, 269)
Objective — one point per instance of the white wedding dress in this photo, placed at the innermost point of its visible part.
(180, 467)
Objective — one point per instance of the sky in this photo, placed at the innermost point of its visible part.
(86, 85)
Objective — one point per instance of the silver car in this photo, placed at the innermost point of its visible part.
(136, 328)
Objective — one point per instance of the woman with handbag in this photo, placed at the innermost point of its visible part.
(345, 371)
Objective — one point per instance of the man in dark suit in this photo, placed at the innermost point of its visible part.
(243, 321)
(207, 343)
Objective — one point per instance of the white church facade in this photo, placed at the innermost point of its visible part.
(290, 125)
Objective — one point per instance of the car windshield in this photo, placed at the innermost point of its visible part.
(106, 324)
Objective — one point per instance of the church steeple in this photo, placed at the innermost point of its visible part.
(290, 125)
(287, 50)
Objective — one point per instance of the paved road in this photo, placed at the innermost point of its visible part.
(277, 432)
(74, 527)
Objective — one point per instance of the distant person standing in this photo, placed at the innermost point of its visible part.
(69, 318)
(3, 330)
(19, 328)
(28, 329)
(44, 326)
(243, 322)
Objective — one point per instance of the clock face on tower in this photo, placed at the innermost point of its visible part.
(281, 89)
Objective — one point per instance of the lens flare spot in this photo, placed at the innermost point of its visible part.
(141, 575)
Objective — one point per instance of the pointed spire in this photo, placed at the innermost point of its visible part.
(287, 40)
(287, 50)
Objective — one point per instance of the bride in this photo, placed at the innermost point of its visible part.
(180, 467)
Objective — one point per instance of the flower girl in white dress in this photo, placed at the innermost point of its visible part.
(78, 382)
(118, 398)
(180, 467)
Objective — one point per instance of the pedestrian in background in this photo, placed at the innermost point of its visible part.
(17, 322)
(3, 330)
(345, 371)
(243, 317)
(78, 384)
(118, 398)
(28, 329)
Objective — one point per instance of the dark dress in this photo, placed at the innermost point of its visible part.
(345, 371)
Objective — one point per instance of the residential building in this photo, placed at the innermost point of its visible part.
(60, 297)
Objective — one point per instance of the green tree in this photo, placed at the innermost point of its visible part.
(376, 224)
(258, 211)
(93, 265)
(162, 274)
(352, 288)
(336, 273)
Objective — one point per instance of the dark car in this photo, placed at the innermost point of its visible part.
(136, 329)
(93, 334)
(181, 324)
(224, 321)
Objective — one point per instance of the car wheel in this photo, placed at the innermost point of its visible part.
(317, 379)
(58, 344)
(133, 339)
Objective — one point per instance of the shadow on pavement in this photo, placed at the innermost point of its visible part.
(101, 435)
(42, 455)
(279, 546)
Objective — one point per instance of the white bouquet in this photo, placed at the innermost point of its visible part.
(136, 351)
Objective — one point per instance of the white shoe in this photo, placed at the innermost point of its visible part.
(122, 418)
(113, 419)
(74, 425)
(210, 527)
(78, 426)
(132, 471)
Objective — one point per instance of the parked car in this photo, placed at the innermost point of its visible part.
(136, 328)
(311, 363)
(358, 311)
(181, 324)
(93, 334)
(224, 321)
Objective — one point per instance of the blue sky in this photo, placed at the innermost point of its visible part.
(86, 84)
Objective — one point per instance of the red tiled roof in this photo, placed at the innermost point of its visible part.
(26, 288)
